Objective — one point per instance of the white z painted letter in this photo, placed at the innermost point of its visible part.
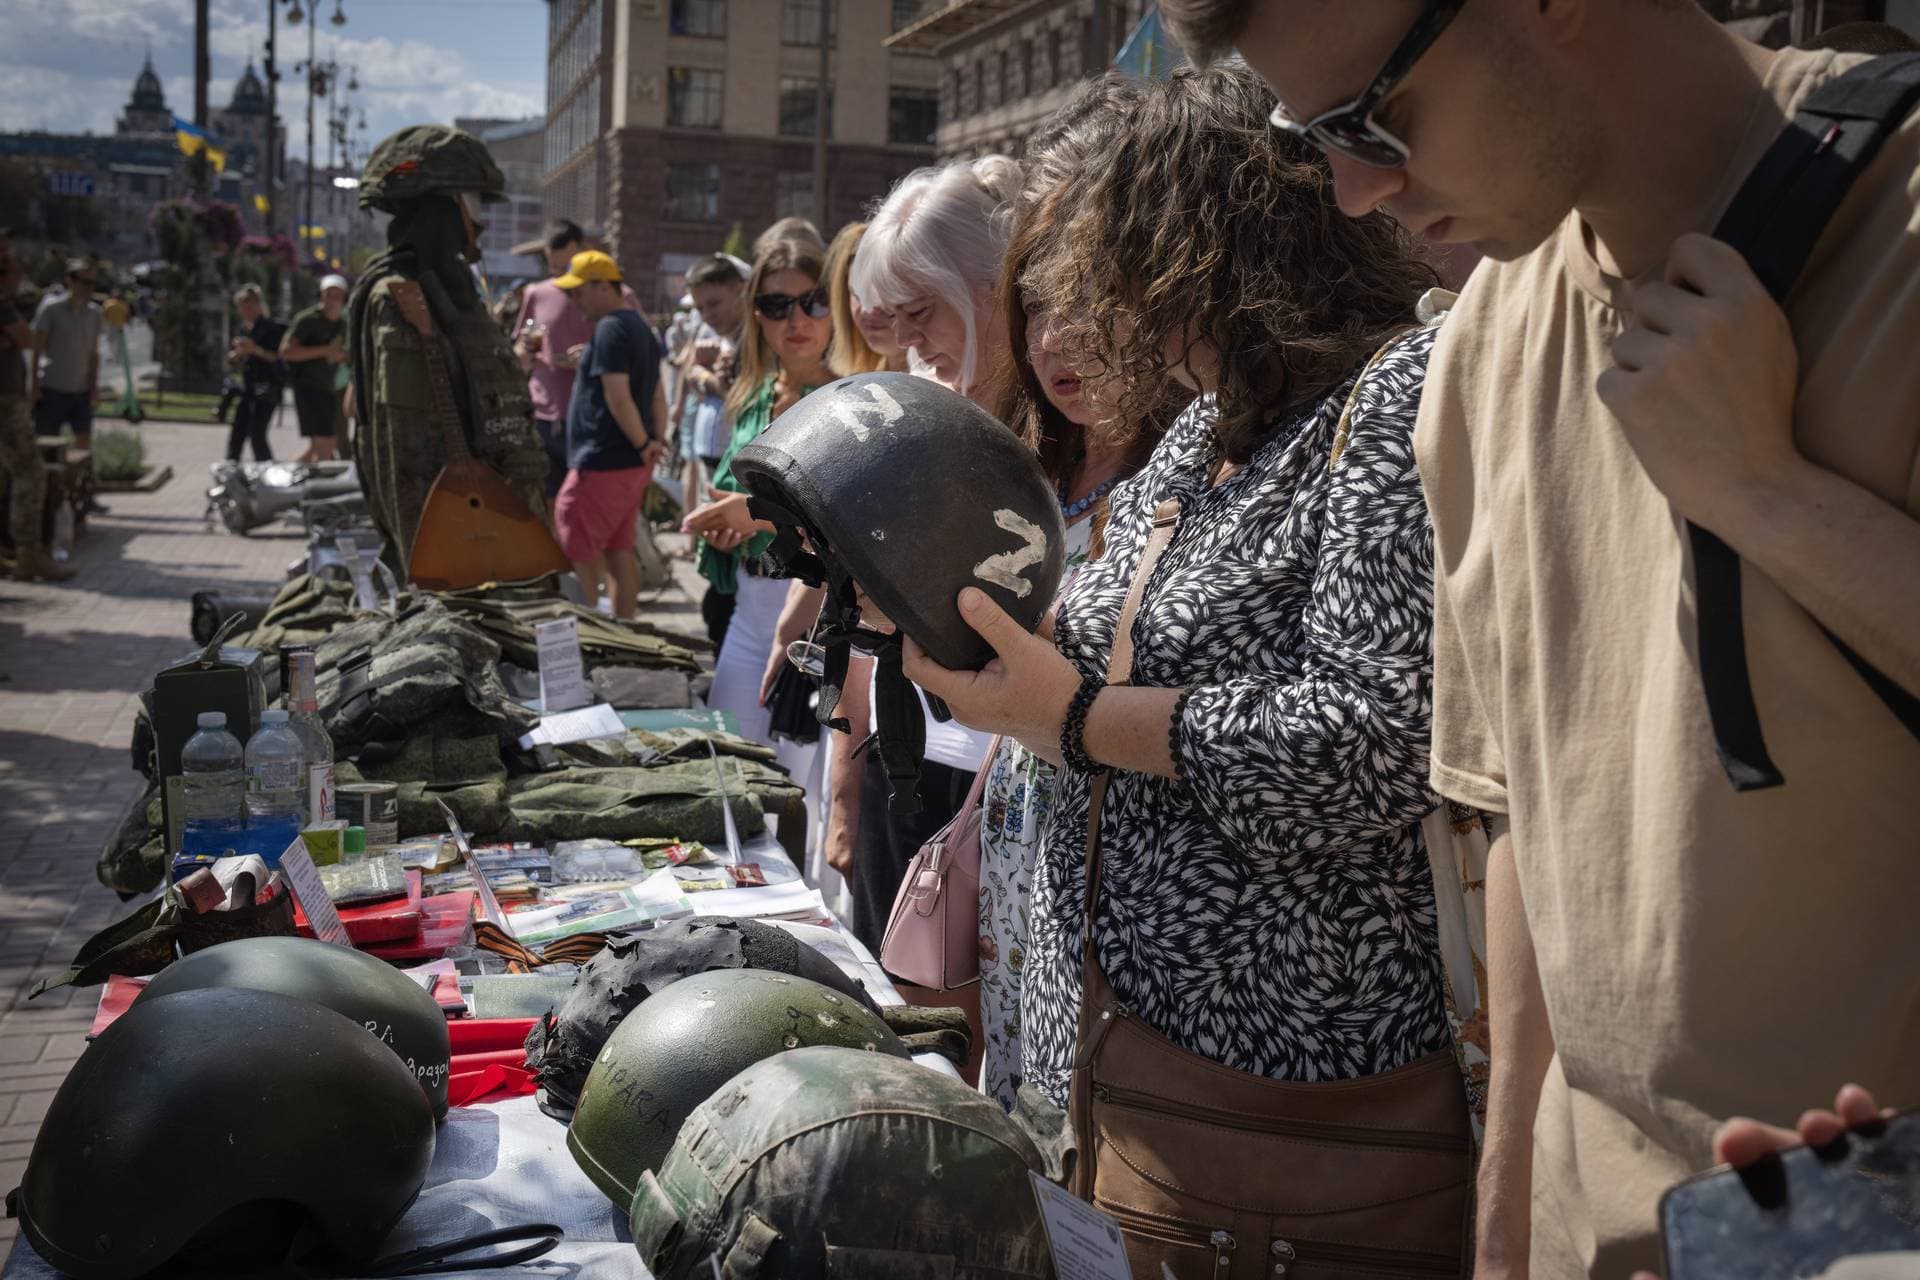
(883, 404)
(1007, 569)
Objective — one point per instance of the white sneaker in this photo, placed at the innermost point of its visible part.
(605, 606)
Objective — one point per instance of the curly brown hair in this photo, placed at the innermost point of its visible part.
(1094, 115)
(1201, 229)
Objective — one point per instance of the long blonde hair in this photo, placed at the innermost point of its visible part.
(849, 352)
(756, 358)
(943, 231)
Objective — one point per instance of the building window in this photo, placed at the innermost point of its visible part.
(1003, 83)
(1053, 56)
(1090, 58)
(800, 22)
(693, 193)
(912, 116)
(694, 97)
(906, 12)
(793, 193)
(798, 100)
(698, 18)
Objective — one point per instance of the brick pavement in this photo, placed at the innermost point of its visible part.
(72, 659)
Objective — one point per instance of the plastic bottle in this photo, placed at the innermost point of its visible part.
(276, 804)
(303, 707)
(213, 787)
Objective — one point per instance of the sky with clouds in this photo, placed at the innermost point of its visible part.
(68, 66)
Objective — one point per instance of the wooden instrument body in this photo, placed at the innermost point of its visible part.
(474, 528)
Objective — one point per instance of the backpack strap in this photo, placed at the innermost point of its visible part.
(1775, 220)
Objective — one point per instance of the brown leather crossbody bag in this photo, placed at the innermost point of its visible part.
(1218, 1174)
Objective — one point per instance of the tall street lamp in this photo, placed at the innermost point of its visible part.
(319, 77)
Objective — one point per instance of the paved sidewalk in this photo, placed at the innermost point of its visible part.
(73, 657)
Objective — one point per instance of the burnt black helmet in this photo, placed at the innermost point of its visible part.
(562, 1046)
(387, 1004)
(224, 1123)
(915, 491)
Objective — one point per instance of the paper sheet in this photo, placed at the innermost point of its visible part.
(563, 677)
(597, 721)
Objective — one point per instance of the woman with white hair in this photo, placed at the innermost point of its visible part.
(932, 255)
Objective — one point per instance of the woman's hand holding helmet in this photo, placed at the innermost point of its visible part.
(1023, 693)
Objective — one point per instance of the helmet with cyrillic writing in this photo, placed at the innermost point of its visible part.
(225, 1130)
(387, 1004)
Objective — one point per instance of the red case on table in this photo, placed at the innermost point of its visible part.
(389, 920)
(447, 922)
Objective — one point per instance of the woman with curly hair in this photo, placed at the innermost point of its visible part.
(1265, 901)
(1070, 416)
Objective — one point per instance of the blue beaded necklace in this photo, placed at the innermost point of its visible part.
(1071, 511)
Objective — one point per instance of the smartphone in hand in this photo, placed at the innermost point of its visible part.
(1795, 1214)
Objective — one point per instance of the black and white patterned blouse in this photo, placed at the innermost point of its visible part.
(1272, 909)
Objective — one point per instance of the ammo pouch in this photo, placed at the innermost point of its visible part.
(143, 943)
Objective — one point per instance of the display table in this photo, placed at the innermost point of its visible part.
(507, 1164)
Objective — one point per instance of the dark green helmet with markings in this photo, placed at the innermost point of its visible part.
(672, 1052)
(429, 159)
(225, 1129)
(831, 1163)
(387, 1004)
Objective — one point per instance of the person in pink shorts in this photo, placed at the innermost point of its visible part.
(614, 422)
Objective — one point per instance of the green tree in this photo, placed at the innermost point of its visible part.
(736, 242)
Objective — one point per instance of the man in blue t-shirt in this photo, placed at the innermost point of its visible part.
(614, 426)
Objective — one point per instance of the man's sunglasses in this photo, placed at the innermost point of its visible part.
(778, 306)
(1350, 130)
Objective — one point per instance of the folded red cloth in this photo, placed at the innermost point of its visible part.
(484, 1035)
(495, 1082)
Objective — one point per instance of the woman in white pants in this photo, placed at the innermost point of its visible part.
(783, 356)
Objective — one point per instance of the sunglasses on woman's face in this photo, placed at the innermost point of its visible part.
(778, 306)
(1351, 130)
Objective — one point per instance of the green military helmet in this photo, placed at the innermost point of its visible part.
(224, 1127)
(668, 1055)
(429, 159)
(389, 1005)
(825, 1162)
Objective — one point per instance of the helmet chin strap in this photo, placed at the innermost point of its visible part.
(899, 722)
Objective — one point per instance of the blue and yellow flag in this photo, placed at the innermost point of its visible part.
(193, 140)
(262, 204)
(1149, 52)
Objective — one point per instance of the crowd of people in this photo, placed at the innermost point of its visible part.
(1370, 702)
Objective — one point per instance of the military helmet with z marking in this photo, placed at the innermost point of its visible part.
(916, 492)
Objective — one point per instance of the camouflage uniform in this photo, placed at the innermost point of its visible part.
(399, 446)
(19, 455)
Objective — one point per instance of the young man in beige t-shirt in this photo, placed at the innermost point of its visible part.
(1664, 952)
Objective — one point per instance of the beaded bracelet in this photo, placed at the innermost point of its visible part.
(1176, 731)
(1073, 730)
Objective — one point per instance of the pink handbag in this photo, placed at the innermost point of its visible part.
(933, 932)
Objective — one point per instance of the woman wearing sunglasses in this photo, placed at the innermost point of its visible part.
(782, 356)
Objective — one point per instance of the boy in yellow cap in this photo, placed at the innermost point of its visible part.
(616, 422)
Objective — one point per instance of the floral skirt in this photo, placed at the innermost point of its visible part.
(1016, 804)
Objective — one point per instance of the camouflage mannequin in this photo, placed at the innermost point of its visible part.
(431, 178)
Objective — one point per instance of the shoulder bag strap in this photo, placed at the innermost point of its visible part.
(1120, 671)
(1775, 220)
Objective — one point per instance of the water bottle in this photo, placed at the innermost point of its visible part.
(276, 776)
(316, 746)
(213, 787)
